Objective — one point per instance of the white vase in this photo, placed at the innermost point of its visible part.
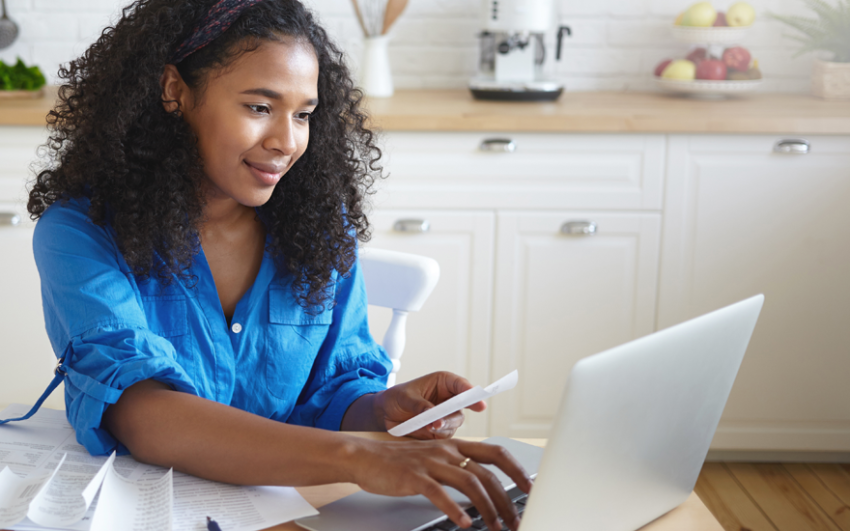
(376, 79)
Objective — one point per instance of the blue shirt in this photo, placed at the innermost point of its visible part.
(113, 331)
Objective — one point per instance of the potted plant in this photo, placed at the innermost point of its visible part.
(19, 80)
(829, 32)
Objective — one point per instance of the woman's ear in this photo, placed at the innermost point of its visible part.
(174, 90)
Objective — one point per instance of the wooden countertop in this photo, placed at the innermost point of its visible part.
(575, 112)
(612, 112)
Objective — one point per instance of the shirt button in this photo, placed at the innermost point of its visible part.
(236, 328)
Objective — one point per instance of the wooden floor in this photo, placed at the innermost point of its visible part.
(777, 496)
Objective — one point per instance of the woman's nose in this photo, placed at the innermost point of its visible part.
(282, 138)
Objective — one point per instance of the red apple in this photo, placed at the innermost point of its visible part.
(737, 58)
(697, 55)
(711, 69)
(661, 66)
(721, 19)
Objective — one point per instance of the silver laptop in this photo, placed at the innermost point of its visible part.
(628, 443)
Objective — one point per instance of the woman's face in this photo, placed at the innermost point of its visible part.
(252, 120)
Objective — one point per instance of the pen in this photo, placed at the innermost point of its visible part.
(211, 525)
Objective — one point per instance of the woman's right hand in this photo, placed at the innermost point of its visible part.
(407, 468)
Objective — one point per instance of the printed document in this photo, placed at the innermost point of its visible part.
(48, 481)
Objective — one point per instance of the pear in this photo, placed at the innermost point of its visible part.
(701, 14)
(740, 14)
(681, 69)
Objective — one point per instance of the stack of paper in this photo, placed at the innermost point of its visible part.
(47, 480)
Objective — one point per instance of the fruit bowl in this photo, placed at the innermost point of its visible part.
(707, 87)
(710, 35)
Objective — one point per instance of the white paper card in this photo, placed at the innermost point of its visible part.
(455, 403)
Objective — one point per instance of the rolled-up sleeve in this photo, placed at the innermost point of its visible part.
(349, 364)
(95, 320)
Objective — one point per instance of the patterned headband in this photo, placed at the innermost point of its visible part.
(222, 15)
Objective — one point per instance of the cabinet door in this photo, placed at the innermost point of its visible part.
(561, 297)
(26, 358)
(452, 330)
(743, 220)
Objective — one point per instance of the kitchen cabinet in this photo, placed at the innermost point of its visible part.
(685, 224)
(741, 219)
(452, 330)
(26, 358)
(561, 297)
(554, 293)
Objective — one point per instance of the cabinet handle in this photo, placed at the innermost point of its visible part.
(498, 145)
(791, 146)
(587, 228)
(9, 219)
(412, 225)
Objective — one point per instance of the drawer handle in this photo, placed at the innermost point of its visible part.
(412, 225)
(9, 219)
(498, 145)
(792, 147)
(582, 228)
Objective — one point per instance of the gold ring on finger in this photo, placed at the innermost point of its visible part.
(465, 462)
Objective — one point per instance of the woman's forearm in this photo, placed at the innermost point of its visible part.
(213, 441)
(218, 442)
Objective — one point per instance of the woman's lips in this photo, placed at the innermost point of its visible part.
(268, 174)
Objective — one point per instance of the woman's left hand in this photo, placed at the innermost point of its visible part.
(404, 401)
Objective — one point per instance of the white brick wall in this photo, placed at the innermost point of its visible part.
(615, 44)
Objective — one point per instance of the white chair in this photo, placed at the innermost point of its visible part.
(402, 282)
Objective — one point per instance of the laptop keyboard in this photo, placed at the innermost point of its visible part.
(515, 494)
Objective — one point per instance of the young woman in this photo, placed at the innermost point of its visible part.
(197, 245)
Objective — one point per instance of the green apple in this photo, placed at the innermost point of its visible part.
(741, 14)
(681, 69)
(701, 14)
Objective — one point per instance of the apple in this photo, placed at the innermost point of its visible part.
(737, 58)
(661, 66)
(680, 69)
(741, 14)
(679, 19)
(721, 19)
(697, 55)
(701, 14)
(711, 69)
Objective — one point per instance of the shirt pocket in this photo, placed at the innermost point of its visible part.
(293, 343)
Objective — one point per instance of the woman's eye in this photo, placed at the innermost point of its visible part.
(260, 109)
(304, 116)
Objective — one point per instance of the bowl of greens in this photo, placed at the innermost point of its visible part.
(21, 81)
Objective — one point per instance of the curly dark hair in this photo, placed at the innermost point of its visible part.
(113, 142)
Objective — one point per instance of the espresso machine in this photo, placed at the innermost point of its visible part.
(513, 51)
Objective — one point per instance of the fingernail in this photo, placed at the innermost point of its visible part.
(438, 425)
(466, 521)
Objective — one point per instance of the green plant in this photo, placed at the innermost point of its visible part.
(830, 31)
(20, 76)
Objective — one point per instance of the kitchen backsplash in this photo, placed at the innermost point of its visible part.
(615, 44)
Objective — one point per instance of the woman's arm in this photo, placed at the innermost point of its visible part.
(214, 441)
